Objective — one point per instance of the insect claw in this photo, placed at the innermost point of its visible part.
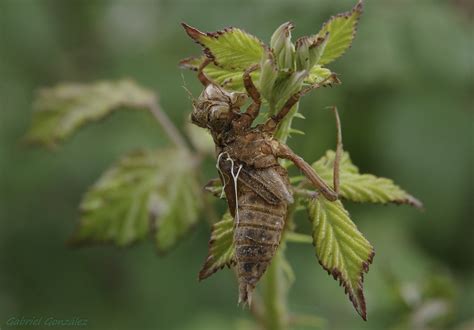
(245, 294)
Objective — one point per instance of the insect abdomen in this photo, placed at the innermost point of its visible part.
(257, 237)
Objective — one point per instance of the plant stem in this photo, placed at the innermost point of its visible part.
(274, 295)
(170, 129)
(274, 283)
(284, 128)
(293, 237)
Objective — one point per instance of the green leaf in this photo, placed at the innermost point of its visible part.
(63, 109)
(318, 75)
(230, 48)
(145, 192)
(342, 29)
(309, 51)
(362, 187)
(268, 75)
(282, 47)
(228, 79)
(341, 249)
(221, 247)
(285, 86)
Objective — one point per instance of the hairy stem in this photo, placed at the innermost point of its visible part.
(284, 128)
(170, 129)
(275, 284)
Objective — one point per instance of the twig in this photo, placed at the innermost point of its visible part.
(275, 295)
(170, 129)
(305, 193)
(293, 237)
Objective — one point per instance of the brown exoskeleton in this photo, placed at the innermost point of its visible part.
(256, 186)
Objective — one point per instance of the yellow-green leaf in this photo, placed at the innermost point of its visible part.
(319, 74)
(61, 110)
(341, 249)
(221, 247)
(145, 192)
(228, 79)
(231, 48)
(362, 187)
(342, 29)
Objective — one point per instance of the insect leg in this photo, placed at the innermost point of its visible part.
(252, 91)
(283, 151)
(339, 150)
(273, 121)
(201, 75)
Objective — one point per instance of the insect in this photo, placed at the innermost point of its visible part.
(256, 186)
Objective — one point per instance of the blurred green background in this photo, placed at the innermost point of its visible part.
(406, 106)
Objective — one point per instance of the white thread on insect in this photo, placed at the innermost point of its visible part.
(222, 174)
(235, 177)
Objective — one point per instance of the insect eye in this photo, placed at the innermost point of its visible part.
(238, 99)
(198, 120)
(218, 111)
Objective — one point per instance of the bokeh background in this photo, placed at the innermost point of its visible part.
(406, 106)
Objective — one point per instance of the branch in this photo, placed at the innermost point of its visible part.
(171, 131)
(275, 295)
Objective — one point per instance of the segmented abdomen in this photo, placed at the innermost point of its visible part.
(258, 230)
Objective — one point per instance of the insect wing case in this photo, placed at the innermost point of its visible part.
(258, 200)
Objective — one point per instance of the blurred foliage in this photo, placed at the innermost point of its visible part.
(61, 110)
(148, 193)
(406, 110)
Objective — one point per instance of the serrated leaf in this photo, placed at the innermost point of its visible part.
(221, 247)
(341, 249)
(342, 29)
(362, 187)
(231, 48)
(228, 79)
(61, 110)
(318, 75)
(325, 164)
(145, 192)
